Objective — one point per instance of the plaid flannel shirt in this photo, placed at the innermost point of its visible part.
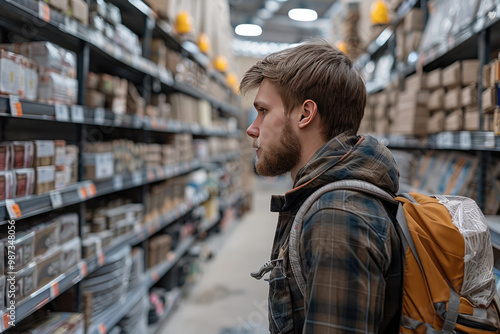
(346, 245)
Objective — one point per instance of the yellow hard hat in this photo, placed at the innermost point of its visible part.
(379, 13)
(204, 42)
(220, 63)
(231, 79)
(183, 23)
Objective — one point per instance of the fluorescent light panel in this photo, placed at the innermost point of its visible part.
(303, 14)
(248, 30)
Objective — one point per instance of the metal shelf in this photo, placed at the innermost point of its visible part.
(177, 294)
(494, 227)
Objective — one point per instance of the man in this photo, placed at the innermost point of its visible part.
(310, 102)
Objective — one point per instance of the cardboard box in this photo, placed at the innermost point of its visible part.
(106, 83)
(487, 76)
(414, 20)
(98, 166)
(71, 165)
(71, 254)
(56, 88)
(46, 237)
(60, 153)
(45, 152)
(79, 10)
(454, 121)
(7, 185)
(496, 121)
(469, 96)
(48, 266)
(436, 99)
(93, 81)
(414, 82)
(25, 181)
(452, 99)
(164, 8)
(25, 283)
(433, 79)
(488, 122)
(411, 121)
(11, 72)
(45, 179)
(30, 79)
(62, 5)
(471, 120)
(118, 105)
(380, 112)
(23, 152)
(436, 122)
(412, 42)
(470, 72)
(452, 75)
(489, 99)
(494, 75)
(95, 99)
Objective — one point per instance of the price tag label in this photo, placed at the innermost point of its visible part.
(101, 259)
(12, 209)
(117, 182)
(62, 113)
(54, 290)
(91, 189)
(151, 175)
(137, 178)
(56, 199)
(99, 116)
(82, 193)
(155, 276)
(465, 140)
(171, 256)
(44, 11)
(83, 269)
(16, 109)
(5, 321)
(102, 328)
(77, 114)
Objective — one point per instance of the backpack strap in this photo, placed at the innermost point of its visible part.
(356, 185)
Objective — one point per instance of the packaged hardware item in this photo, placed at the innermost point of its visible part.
(45, 179)
(71, 254)
(60, 153)
(71, 165)
(113, 14)
(50, 56)
(5, 156)
(23, 152)
(25, 181)
(45, 153)
(101, 7)
(30, 79)
(48, 266)
(97, 22)
(98, 166)
(91, 246)
(46, 237)
(54, 323)
(62, 5)
(60, 179)
(7, 185)
(79, 9)
(11, 69)
(25, 284)
(23, 248)
(454, 121)
(68, 227)
(57, 88)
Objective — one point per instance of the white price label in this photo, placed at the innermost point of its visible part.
(12, 209)
(16, 108)
(99, 116)
(56, 199)
(44, 11)
(62, 113)
(465, 140)
(83, 269)
(117, 182)
(77, 114)
(137, 178)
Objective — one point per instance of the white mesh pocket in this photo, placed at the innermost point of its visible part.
(479, 279)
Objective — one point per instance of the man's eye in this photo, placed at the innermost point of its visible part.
(262, 110)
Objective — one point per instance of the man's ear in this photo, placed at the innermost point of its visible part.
(308, 112)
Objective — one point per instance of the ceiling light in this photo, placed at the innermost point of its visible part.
(248, 30)
(302, 14)
(272, 6)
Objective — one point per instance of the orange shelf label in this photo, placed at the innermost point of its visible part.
(155, 276)
(44, 11)
(54, 290)
(101, 259)
(83, 269)
(102, 329)
(6, 321)
(92, 190)
(83, 193)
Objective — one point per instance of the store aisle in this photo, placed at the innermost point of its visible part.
(226, 300)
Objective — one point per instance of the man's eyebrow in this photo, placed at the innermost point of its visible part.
(258, 104)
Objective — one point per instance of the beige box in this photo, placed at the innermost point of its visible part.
(488, 122)
(414, 20)
(62, 5)
(452, 75)
(471, 120)
(79, 10)
(454, 121)
(433, 79)
(164, 8)
(95, 99)
(412, 42)
(45, 152)
(469, 96)
(487, 76)
(380, 112)
(45, 179)
(24, 181)
(93, 80)
(496, 121)
(159, 52)
(48, 266)
(436, 99)
(30, 80)
(414, 82)
(411, 121)
(470, 72)
(489, 99)
(435, 123)
(11, 71)
(452, 99)
(382, 126)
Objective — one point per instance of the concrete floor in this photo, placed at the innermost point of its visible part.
(226, 300)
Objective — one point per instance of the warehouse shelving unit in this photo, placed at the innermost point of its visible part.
(74, 122)
(474, 41)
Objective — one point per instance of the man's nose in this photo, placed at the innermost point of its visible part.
(253, 131)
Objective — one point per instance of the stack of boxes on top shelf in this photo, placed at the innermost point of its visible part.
(36, 167)
(38, 71)
(42, 252)
(409, 34)
(77, 9)
(106, 18)
(490, 99)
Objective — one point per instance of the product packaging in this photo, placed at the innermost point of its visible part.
(11, 72)
(48, 266)
(5, 156)
(23, 152)
(45, 152)
(45, 179)
(46, 237)
(79, 10)
(71, 254)
(57, 88)
(68, 227)
(30, 79)
(452, 99)
(62, 5)
(71, 165)
(25, 283)
(454, 121)
(7, 185)
(25, 181)
(98, 166)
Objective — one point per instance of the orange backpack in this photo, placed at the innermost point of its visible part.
(448, 283)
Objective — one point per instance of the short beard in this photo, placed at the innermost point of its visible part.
(280, 158)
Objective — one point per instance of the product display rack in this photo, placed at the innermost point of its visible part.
(91, 46)
(474, 41)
